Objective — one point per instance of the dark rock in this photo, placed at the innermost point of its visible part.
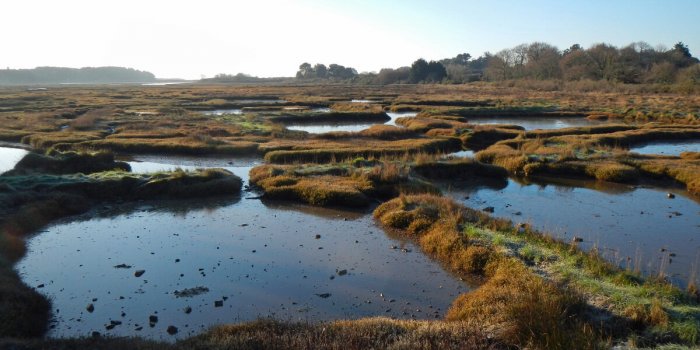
(577, 239)
(489, 209)
(670, 195)
(324, 295)
(139, 273)
(115, 322)
(188, 310)
(153, 319)
(96, 334)
(90, 308)
(122, 266)
(109, 327)
(342, 272)
(190, 292)
(172, 330)
(218, 303)
(40, 286)
(318, 237)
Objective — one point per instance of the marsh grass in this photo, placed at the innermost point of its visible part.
(325, 152)
(514, 304)
(355, 183)
(367, 333)
(538, 293)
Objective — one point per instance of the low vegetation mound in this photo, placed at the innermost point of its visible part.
(353, 184)
(540, 292)
(67, 163)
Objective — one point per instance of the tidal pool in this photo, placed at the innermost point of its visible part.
(223, 111)
(459, 154)
(9, 157)
(226, 260)
(640, 223)
(321, 128)
(668, 148)
(532, 123)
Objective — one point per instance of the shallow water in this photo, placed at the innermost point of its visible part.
(223, 111)
(620, 220)
(164, 83)
(396, 115)
(9, 157)
(326, 127)
(459, 154)
(531, 123)
(350, 127)
(261, 259)
(668, 148)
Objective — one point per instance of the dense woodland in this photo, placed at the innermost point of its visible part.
(633, 64)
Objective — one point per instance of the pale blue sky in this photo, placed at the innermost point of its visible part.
(271, 38)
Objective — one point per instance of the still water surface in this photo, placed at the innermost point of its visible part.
(255, 258)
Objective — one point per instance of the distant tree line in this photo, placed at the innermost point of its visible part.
(242, 79)
(633, 64)
(320, 71)
(60, 75)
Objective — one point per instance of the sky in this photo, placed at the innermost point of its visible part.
(201, 38)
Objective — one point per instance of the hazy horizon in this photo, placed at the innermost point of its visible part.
(271, 38)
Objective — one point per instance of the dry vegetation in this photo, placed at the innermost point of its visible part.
(536, 292)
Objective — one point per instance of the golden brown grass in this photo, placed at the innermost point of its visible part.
(324, 151)
(517, 306)
(339, 184)
(367, 333)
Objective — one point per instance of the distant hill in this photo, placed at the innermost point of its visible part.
(61, 75)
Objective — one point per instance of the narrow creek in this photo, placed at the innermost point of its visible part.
(532, 123)
(668, 148)
(634, 226)
(9, 157)
(320, 128)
